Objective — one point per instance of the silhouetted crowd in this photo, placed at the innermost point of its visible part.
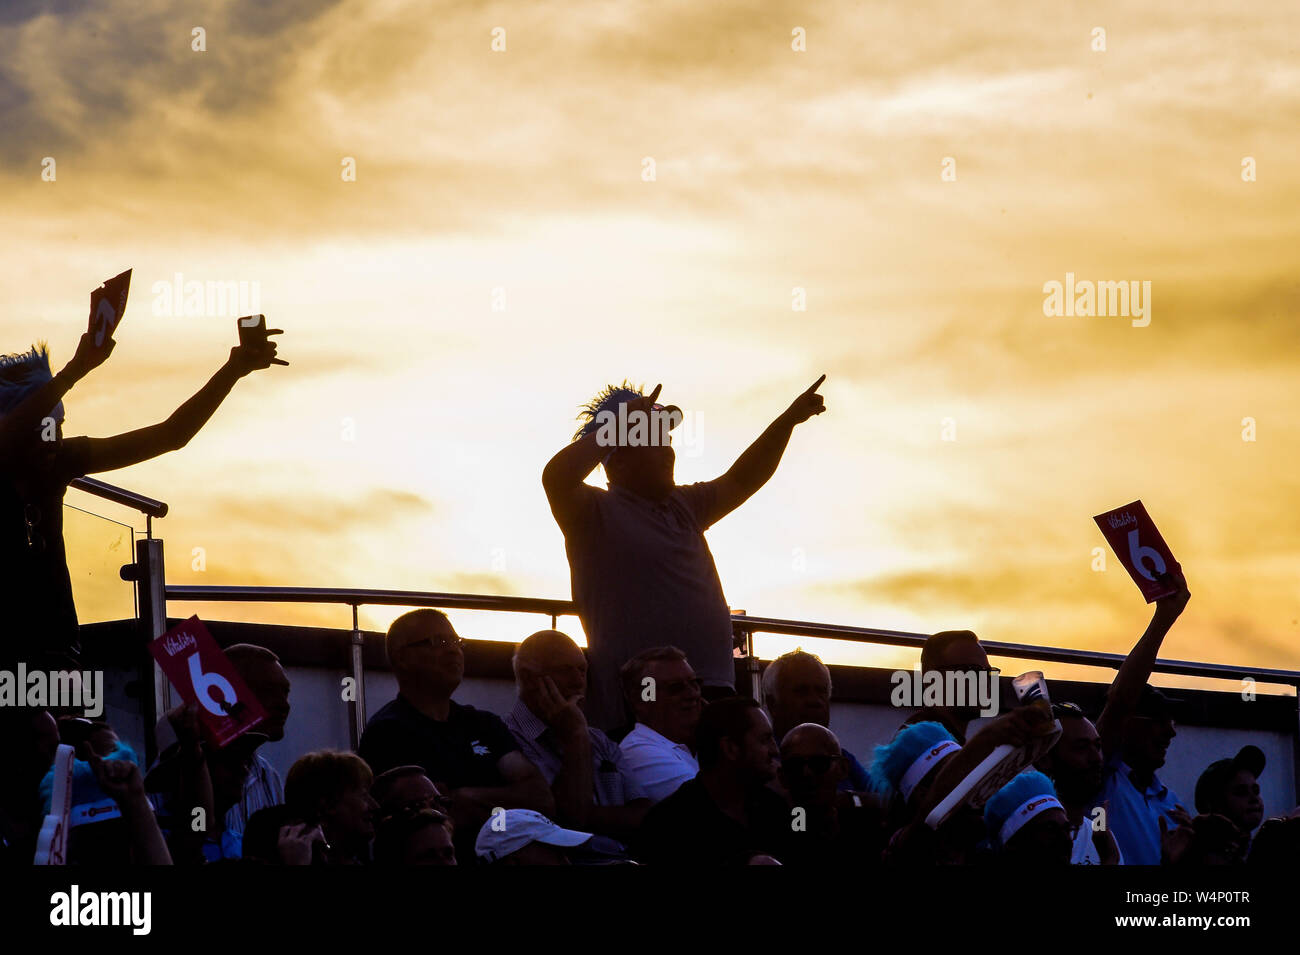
(637, 750)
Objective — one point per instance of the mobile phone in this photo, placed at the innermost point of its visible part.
(107, 303)
(252, 330)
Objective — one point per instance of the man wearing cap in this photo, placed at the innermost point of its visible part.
(641, 571)
(525, 837)
(1230, 787)
(1136, 727)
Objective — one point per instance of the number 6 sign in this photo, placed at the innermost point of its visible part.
(201, 674)
(1133, 537)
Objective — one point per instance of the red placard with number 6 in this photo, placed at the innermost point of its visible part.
(1133, 537)
(199, 670)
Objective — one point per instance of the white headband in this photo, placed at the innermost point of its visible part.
(916, 772)
(1026, 811)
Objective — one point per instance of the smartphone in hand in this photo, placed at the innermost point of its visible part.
(252, 330)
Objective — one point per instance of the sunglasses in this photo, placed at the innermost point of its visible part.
(820, 765)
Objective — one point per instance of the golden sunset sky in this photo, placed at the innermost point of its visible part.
(774, 169)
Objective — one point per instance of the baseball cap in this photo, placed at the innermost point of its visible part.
(511, 830)
(1219, 772)
(1154, 704)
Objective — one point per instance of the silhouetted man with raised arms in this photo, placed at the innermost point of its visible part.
(642, 572)
(37, 464)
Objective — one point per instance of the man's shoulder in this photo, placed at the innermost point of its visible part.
(390, 712)
(464, 712)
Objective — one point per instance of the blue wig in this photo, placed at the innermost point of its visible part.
(85, 788)
(1021, 790)
(890, 762)
(609, 400)
(23, 373)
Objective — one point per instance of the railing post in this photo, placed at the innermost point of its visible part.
(151, 591)
(357, 713)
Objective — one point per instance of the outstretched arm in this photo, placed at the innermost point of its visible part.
(16, 426)
(119, 451)
(756, 466)
(1136, 668)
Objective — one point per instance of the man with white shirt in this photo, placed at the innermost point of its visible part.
(665, 695)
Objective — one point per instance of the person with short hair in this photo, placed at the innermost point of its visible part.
(423, 837)
(952, 651)
(1230, 787)
(592, 785)
(468, 753)
(797, 689)
(1075, 766)
(664, 693)
(726, 815)
(332, 790)
(832, 829)
(640, 566)
(406, 789)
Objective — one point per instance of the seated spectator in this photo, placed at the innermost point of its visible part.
(593, 789)
(948, 651)
(797, 689)
(524, 837)
(1207, 839)
(1074, 765)
(423, 837)
(468, 753)
(833, 830)
(1230, 787)
(1136, 727)
(258, 784)
(726, 815)
(665, 694)
(332, 790)
(406, 790)
(1027, 823)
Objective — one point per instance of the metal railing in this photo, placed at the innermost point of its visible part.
(744, 625)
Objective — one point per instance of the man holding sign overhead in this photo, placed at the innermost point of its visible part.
(641, 570)
(37, 464)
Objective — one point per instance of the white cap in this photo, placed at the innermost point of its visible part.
(509, 830)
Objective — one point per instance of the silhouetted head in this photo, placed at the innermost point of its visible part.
(1028, 823)
(797, 689)
(1148, 732)
(20, 375)
(403, 790)
(260, 669)
(735, 739)
(1075, 763)
(960, 651)
(549, 654)
(640, 456)
(664, 692)
(812, 765)
(426, 653)
(333, 789)
(418, 838)
(1230, 787)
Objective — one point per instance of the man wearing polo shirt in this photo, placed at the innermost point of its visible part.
(640, 568)
(665, 696)
(468, 753)
(1136, 728)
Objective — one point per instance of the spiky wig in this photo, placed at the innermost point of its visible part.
(23, 373)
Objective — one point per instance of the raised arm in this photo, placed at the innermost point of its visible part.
(17, 426)
(1136, 668)
(756, 466)
(119, 451)
(564, 474)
